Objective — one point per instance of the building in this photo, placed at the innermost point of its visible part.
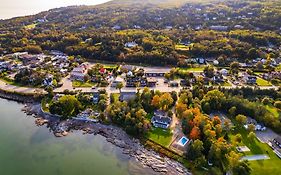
(118, 80)
(250, 79)
(132, 81)
(80, 72)
(277, 141)
(131, 44)
(173, 84)
(127, 96)
(28, 59)
(127, 68)
(201, 60)
(96, 97)
(151, 82)
(219, 28)
(161, 120)
(48, 81)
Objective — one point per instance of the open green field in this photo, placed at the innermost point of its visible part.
(262, 82)
(160, 136)
(80, 84)
(259, 167)
(192, 69)
(225, 84)
(273, 110)
(31, 26)
(181, 47)
(110, 66)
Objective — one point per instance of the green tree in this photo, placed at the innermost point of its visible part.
(119, 86)
(241, 119)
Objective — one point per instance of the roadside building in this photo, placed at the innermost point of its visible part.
(151, 82)
(161, 120)
(173, 84)
(117, 81)
(127, 96)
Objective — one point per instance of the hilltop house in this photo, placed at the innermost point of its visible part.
(131, 44)
(161, 120)
(219, 28)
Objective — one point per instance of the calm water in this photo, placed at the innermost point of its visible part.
(26, 149)
(14, 8)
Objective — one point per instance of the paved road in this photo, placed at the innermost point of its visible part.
(67, 84)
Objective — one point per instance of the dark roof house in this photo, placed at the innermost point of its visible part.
(161, 119)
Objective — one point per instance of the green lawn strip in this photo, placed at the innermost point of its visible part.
(225, 84)
(273, 110)
(110, 66)
(116, 97)
(13, 83)
(31, 26)
(181, 47)
(80, 84)
(160, 136)
(192, 69)
(262, 82)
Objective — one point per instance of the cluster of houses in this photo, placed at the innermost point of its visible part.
(55, 60)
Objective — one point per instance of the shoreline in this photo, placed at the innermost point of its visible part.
(22, 98)
(113, 134)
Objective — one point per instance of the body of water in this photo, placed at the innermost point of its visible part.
(15, 8)
(26, 149)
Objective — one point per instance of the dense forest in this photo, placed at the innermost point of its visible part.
(221, 28)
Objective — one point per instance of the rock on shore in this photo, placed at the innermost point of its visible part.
(114, 135)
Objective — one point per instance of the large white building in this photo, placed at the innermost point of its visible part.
(80, 72)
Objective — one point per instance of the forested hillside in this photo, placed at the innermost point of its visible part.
(221, 28)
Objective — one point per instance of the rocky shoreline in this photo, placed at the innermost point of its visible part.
(113, 134)
(17, 97)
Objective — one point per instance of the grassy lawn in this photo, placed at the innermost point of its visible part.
(273, 110)
(262, 82)
(116, 97)
(278, 68)
(226, 84)
(160, 136)
(110, 66)
(80, 84)
(181, 47)
(31, 26)
(13, 83)
(259, 167)
(193, 69)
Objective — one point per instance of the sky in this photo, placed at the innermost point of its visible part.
(14, 8)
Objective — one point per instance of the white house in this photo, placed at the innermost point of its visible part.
(131, 44)
(80, 72)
